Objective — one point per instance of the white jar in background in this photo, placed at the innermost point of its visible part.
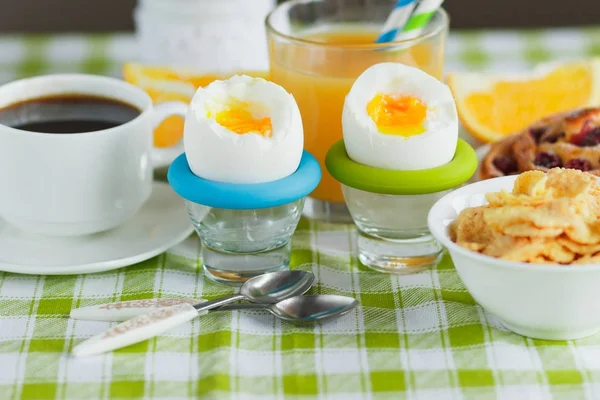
(207, 36)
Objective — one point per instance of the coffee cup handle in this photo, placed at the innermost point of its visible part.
(164, 156)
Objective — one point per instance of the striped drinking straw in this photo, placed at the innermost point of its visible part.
(420, 18)
(395, 22)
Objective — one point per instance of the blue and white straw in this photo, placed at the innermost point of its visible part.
(396, 21)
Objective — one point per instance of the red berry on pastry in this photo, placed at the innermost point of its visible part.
(588, 135)
(548, 160)
(536, 133)
(579, 163)
(553, 138)
(506, 164)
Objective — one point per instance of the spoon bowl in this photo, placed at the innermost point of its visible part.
(273, 287)
(313, 308)
(302, 309)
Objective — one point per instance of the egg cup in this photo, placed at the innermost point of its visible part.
(390, 207)
(245, 229)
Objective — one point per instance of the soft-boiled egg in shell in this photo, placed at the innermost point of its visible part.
(243, 130)
(399, 118)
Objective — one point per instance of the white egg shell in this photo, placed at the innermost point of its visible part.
(218, 154)
(366, 145)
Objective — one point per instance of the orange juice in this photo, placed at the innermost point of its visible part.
(319, 70)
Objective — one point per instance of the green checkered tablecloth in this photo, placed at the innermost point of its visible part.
(418, 336)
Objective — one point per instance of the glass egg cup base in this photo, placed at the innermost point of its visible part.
(398, 256)
(326, 211)
(234, 269)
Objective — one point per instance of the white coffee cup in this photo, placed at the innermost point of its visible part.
(82, 183)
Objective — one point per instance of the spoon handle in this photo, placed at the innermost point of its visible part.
(145, 326)
(242, 306)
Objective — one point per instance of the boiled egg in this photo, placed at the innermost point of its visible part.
(243, 130)
(398, 117)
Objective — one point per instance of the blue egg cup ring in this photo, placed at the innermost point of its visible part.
(244, 196)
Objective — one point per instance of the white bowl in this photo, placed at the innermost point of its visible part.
(553, 302)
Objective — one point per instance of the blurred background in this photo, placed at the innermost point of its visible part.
(20, 16)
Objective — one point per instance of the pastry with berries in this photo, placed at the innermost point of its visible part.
(568, 140)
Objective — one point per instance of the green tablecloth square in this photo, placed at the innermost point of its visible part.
(127, 389)
(301, 340)
(300, 384)
(39, 391)
(388, 381)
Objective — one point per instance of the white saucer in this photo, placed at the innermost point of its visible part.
(161, 223)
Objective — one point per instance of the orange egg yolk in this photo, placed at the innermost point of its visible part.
(402, 115)
(239, 119)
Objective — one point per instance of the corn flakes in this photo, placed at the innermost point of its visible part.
(551, 217)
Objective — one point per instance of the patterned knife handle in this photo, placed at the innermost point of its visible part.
(136, 330)
(146, 326)
(124, 310)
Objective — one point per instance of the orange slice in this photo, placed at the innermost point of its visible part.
(493, 106)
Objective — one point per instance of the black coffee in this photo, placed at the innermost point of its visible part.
(67, 113)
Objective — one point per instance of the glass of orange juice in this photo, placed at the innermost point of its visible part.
(317, 48)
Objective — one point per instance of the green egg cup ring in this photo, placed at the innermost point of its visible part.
(386, 181)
